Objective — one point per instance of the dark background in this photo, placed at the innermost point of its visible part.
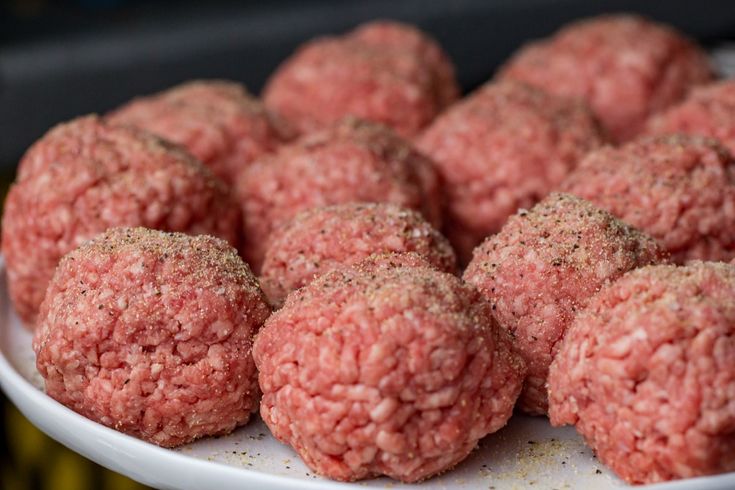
(60, 59)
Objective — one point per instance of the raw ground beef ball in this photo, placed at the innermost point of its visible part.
(678, 189)
(353, 161)
(391, 35)
(543, 267)
(219, 122)
(384, 71)
(86, 176)
(388, 367)
(319, 239)
(647, 373)
(624, 66)
(503, 148)
(708, 111)
(150, 333)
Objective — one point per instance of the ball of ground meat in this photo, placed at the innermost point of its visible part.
(150, 333)
(708, 111)
(387, 72)
(353, 161)
(678, 189)
(319, 239)
(504, 147)
(647, 373)
(86, 176)
(624, 66)
(543, 267)
(219, 122)
(388, 368)
(392, 35)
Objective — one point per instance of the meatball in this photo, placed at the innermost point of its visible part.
(353, 161)
(150, 333)
(392, 35)
(319, 239)
(708, 111)
(86, 176)
(504, 147)
(543, 267)
(219, 122)
(624, 66)
(647, 373)
(388, 367)
(678, 189)
(387, 72)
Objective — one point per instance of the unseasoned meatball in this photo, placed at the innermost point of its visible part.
(218, 121)
(353, 161)
(708, 111)
(383, 71)
(624, 66)
(86, 176)
(502, 148)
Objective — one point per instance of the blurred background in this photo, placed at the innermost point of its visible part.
(60, 59)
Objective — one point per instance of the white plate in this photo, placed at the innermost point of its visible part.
(528, 453)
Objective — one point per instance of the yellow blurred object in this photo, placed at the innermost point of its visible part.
(27, 442)
(31, 460)
(11, 480)
(115, 481)
(67, 470)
